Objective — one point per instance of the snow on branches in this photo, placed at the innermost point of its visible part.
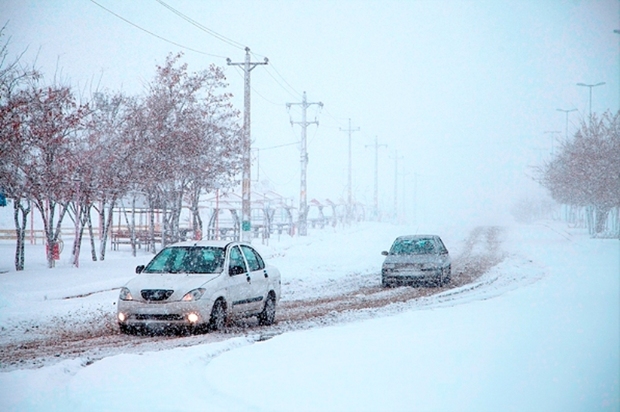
(181, 138)
(586, 171)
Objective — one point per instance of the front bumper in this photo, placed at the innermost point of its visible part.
(409, 277)
(157, 315)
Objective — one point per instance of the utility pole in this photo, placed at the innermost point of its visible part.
(396, 157)
(376, 191)
(415, 197)
(303, 208)
(246, 190)
(349, 181)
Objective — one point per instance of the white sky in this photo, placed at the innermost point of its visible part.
(461, 91)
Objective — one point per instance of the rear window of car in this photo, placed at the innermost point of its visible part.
(413, 247)
(194, 259)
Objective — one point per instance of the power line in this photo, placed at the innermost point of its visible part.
(155, 35)
(255, 91)
(278, 146)
(294, 93)
(202, 27)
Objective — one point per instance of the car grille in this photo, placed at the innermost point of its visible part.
(156, 295)
(404, 267)
(162, 317)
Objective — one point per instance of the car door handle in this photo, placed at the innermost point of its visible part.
(266, 275)
(248, 278)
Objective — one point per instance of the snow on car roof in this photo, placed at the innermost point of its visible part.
(204, 243)
(418, 237)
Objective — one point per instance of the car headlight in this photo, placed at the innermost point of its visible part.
(125, 294)
(193, 295)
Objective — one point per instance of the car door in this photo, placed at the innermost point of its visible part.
(258, 274)
(241, 295)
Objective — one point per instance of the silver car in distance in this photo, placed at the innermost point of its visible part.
(199, 286)
(415, 260)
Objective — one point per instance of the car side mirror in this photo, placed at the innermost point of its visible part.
(384, 253)
(235, 270)
(139, 269)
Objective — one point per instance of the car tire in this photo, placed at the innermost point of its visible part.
(449, 275)
(268, 315)
(445, 276)
(385, 283)
(217, 320)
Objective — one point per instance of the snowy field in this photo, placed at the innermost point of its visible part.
(539, 331)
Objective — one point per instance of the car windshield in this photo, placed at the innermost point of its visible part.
(191, 259)
(413, 247)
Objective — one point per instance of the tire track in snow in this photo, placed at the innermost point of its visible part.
(93, 341)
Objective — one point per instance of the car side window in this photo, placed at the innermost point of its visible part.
(441, 246)
(236, 261)
(254, 260)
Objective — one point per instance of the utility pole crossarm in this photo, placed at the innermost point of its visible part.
(246, 206)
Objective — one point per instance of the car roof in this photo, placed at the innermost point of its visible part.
(416, 237)
(207, 243)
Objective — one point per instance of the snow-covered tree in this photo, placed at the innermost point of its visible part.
(13, 79)
(586, 171)
(192, 141)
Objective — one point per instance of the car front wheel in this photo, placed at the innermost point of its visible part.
(446, 276)
(268, 315)
(218, 316)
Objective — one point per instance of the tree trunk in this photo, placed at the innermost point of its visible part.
(152, 247)
(93, 249)
(106, 224)
(20, 231)
(196, 220)
(600, 219)
(77, 239)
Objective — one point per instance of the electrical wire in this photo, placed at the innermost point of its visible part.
(202, 27)
(296, 96)
(156, 35)
(238, 71)
(278, 146)
(284, 84)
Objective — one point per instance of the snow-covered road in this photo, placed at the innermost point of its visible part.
(92, 333)
(531, 321)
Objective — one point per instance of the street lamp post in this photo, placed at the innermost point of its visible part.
(567, 112)
(618, 32)
(552, 133)
(590, 86)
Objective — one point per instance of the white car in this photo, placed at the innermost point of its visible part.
(416, 259)
(200, 285)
